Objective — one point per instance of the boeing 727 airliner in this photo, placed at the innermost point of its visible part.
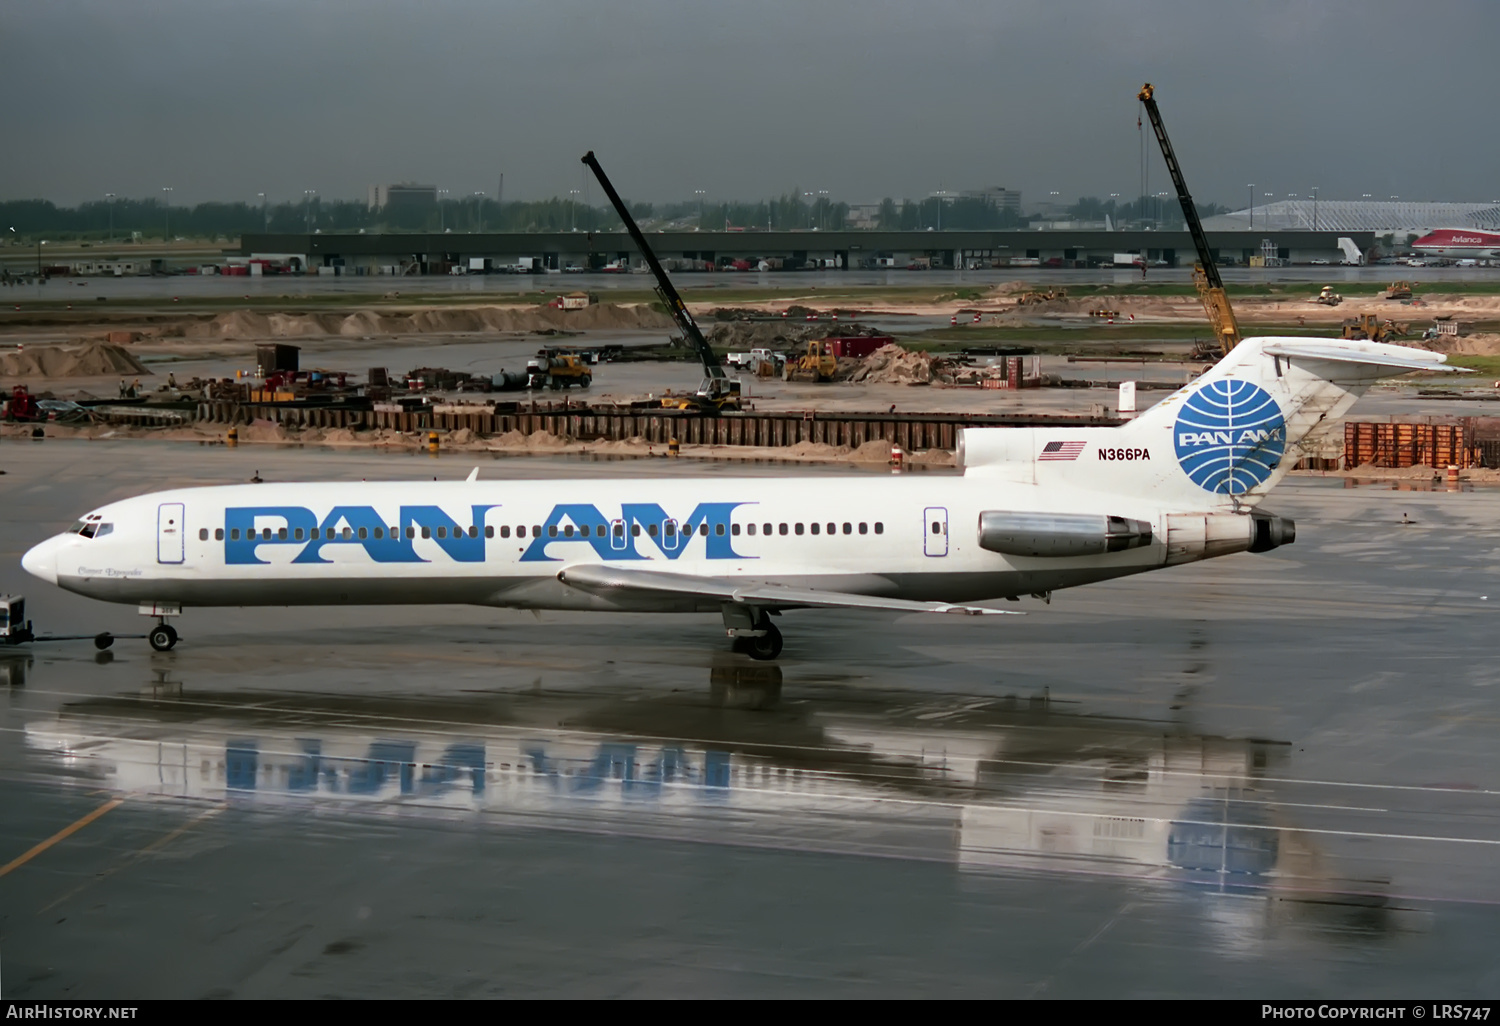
(1034, 510)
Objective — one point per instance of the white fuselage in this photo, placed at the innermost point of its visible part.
(503, 543)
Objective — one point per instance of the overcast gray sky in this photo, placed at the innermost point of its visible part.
(863, 98)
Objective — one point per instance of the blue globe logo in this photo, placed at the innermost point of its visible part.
(1229, 436)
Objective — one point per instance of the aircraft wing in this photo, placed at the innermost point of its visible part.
(601, 579)
(1388, 356)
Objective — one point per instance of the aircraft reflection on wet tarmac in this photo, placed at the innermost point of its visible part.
(1010, 785)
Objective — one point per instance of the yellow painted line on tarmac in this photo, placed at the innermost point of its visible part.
(61, 835)
(135, 857)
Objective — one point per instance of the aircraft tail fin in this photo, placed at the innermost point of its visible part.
(1238, 429)
(1224, 440)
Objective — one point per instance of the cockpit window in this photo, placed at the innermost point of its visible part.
(90, 527)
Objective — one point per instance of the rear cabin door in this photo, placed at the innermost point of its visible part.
(935, 531)
(169, 532)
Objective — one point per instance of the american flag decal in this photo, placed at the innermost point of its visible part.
(1062, 450)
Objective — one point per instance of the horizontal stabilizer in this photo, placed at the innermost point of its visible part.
(1398, 358)
(602, 579)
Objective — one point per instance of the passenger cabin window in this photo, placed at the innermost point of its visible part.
(848, 528)
(489, 532)
(651, 530)
(298, 533)
(798, 528)
(703, 529)
(379, 532)
(635, 530)
(234, 534)
(426, 532)
(749, 529)
(265, 534)
(218, 534)
(203, 534)
(832, 528)
(442, 532)
(813, 526)
(281, 534)
(864, 528)
(521, 531)
(551, 530)
(670, 528)
(879, 527)
(363, 534)
(504, 530)
(782, 529)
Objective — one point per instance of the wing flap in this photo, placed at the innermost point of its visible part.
(594, 577)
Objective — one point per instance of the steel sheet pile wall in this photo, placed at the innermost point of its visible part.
(1398, 445)
(910, 431)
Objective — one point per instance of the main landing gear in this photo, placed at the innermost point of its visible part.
(752, 630)
(163, 637)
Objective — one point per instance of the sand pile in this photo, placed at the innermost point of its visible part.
(1480, 343)
(247, 324)
(892, 365)
(94, 359)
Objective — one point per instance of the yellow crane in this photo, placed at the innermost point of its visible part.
(1205, 274)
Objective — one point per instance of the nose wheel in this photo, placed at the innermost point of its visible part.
(162, 638)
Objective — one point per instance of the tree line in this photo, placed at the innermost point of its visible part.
(152, 219)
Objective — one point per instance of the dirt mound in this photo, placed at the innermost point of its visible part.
(94, 359)
(1478, 344)
(763, 335)
(892, 365)
(248, 324)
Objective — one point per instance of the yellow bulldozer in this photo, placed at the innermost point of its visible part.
(817, 364)
(1370, 328)
(1034, 298)
(1398, 290)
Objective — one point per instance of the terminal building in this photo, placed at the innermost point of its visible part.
(454, 253)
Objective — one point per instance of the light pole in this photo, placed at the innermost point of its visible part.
(1160, 209)
(572, 210)
(808, 196)
(442, 212)
(307, 195)
(1315, 207)
(1251, 187)
(823, 208)
(699, 193)
(265, 215)
(109, 200)
(479, 211)
(168, 190)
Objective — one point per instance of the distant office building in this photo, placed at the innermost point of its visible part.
(403, 196)
(1003, 198)
(863, 216)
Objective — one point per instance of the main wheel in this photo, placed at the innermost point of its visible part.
(767, 646)
(163, 638)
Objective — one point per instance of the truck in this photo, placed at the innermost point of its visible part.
(1129, 260)
(557, 371)
(754, 358)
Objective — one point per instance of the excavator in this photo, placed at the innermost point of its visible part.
(718, 390)
(1205, 274)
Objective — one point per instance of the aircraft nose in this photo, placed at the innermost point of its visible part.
(41, 561)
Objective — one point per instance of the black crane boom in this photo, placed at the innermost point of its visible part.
(1206, 273)
(718, 382)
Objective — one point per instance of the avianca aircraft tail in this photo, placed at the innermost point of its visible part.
(1036, 509)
